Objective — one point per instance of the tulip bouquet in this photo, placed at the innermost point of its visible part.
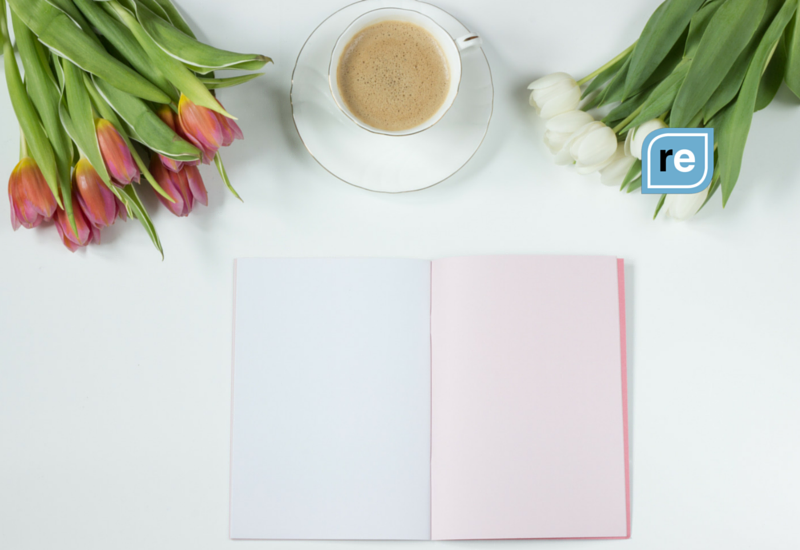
(697, 63)
(115, 91)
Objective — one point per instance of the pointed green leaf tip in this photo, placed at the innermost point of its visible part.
(187, 50)
(727, 35)
(660, 34)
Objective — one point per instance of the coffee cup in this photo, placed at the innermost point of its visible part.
(451, 49)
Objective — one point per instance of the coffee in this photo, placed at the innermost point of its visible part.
(393, 75)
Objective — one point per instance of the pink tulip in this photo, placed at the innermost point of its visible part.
(201, 127)
(116, 154)
(86, 232)
(166, 114)
(185, 187)
(29, 196)
(230, 130)
(96, 200)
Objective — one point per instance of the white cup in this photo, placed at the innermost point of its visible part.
(451, 47)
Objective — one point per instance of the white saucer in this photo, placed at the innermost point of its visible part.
(388, 164)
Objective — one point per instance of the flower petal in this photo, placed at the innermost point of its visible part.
(196, 185)
(568, 122)
(549, 80)
(597, 147)
(682, 207)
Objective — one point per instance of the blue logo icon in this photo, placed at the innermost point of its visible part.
(677, 160)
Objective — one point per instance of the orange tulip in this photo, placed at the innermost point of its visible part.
(166, 114)
(97, 201)
(86, 231)
(201, 127)
(116, 154)
(29, 196)
(185, 187)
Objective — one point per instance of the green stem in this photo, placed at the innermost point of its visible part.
(3, 23)
(23, 145)
(628, 120)
(604, 67)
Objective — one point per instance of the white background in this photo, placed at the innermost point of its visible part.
(115, 366)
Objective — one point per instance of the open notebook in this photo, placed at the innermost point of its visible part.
(463, 398)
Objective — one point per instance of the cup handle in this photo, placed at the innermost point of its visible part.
(468, 41)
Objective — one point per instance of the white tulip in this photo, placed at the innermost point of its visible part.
(636, 136)
(616, 170)
(555, 94)
(559, 128)
(591, 147)
(683, 207)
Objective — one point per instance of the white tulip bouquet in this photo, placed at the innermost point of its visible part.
(697, 64)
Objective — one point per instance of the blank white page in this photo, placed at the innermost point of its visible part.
(331, 399)
(528, 398)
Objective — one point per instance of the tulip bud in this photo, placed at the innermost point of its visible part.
(166, 114)
(615, 171)
(682, 207)
(201, 127)
(97, 201)
(559, 129)
(184, 187)
(555, 94)
(86, 232)
(591, 147)
(635, 138)
(230, 130)
(116, 154)
(29, 196)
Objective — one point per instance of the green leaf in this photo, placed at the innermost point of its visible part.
(217, 83)
(181, 77)
(68, 7)
(175, 17)
(634, 172)
(712, 189)
(613, 92)
(133, 203)
(58, 31)
(108, 113)
(727, 35)
(660, 34)
(660, 205)
(635, 184)
(626, 108)
(187, 50)
(148, 128)
(606, 74)
(698, 26)
(224, 174)
(738, 118)
(125, 43)
(157, 9)
(662, 97)
(30, 123)
(44, 94)
(793, 55)
(773, 77)
(726, 91)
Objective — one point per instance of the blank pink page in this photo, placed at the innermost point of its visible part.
(527, 379)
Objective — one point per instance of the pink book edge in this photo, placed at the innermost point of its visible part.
(624, 357)
(233, 367)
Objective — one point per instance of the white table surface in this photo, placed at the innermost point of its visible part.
(115, 366)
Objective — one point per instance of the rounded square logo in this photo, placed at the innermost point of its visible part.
(677, 160)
